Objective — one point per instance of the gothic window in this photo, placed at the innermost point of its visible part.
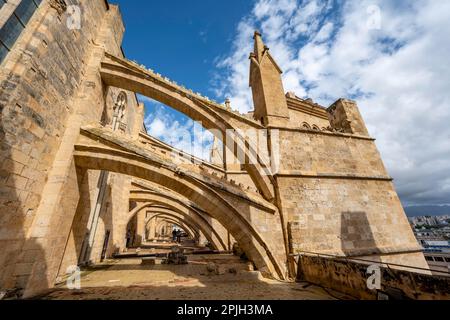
(16, 23)
(119, 111)
(315, 127)
(306, 126)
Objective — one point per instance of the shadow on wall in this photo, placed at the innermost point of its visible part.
(80, 229)
(79, 250)
(357, 238)
(209, 234)
(101, 225)
(19, 256)
(107, 218)
(131, 232)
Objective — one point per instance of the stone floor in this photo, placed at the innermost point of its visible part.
(205, 277)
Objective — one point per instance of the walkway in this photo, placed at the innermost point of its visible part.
(206, 277)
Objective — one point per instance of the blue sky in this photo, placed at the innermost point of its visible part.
(390, 56)
(181, 39)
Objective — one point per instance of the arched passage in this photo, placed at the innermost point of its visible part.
(186, 221)
(187, 218)
(195, 224)
(161, 228)
(257, 240)
(181, 224)
(179, 210)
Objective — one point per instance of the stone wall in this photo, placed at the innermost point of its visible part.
(113, 217)
(266, 225)
(44, 100)
(351, 277)
(314, 153)
(88, 184)
(337, 198)
(345, 217)
(36, 90)
(297, 119)
(344, 116)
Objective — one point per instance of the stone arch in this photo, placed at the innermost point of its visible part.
(120, 73)
(165, 205)
(306, 126)
(175, 217)
(182, 224)
(253, 239)
(160, 226)
(187, 224)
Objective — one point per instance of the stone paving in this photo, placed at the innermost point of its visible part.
(208, 277)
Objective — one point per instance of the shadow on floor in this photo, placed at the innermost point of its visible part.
(216, 277)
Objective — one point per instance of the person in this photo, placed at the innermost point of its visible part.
(174, 235)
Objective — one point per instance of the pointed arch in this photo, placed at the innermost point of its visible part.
(121, 73)
(189, 229)
(162, 205)
(119, 110)
(257, 240)
(181, 224)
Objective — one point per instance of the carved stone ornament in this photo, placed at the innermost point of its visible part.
(59, 5)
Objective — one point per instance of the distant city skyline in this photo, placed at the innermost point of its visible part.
(427, 210)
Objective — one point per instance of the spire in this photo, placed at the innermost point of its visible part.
(267, 87)
(259, 47)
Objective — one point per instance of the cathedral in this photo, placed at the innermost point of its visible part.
(297, 188)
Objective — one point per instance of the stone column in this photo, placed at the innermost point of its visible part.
(60, 194)
(152, 229)
(140, 228)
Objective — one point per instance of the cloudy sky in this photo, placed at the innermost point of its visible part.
(393, 57)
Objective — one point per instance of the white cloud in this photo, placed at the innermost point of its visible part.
(399, 74)
(177, 130)
(324, 33)
(156, 128)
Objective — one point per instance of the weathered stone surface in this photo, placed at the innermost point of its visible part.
(350, 277)
(78, 170)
